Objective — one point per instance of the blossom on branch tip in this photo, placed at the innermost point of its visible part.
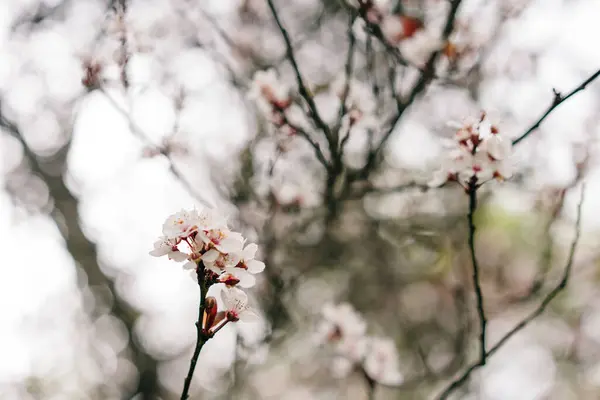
(478, 153)
(396, 28)
(236, 305)
(345, 329)
(168, 247)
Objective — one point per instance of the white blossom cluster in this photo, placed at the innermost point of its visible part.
(346, 330)
(213, 252)
(477, 154)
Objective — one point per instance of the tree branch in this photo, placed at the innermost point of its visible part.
(528, 319)
(476, 281)
(314, 112)
(558, 100)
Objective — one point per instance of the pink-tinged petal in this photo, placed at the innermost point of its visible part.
(439, 178)
(341, 367)
(246, 279)
(211, 256)
(230, 245)
(177, 256)
(247, 315)
(190, 265)
(213, 267)
(234, 299)
(250, 251)
(255, 266)
(160, 251)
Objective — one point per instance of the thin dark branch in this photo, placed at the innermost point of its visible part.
(528, 319)
(558, 100)
(427, 75)
(201, 337)
(476, 280)
(314, 112)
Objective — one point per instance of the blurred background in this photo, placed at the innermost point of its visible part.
(114, 115)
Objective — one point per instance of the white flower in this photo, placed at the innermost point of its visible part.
(211, 219)
(246, 266)
(343, 327)
(216, 261)
(221, 239)
(478, 154)
(168, 247)
(236, 305)
(360, 102)
(381, 362)
(419, 47)
(342, 320)
(181, 224)
(269, 92)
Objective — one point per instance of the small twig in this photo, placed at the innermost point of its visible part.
(314, 112)
(558, 100)
(528, 319)
(476, 280)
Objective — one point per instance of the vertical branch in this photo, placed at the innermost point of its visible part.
(84, 252)
(201, 336)
(348, 68)
(314, 112)
(121, 12)
(427, 75)
(458, 382)
(476, 280)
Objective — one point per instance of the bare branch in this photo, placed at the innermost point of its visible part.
(314, 112)
(558, 100)
(427, 75)
(528, 319)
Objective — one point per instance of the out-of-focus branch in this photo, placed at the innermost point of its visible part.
(139, 133)
(427, 75)
(85, 254)
(314, 112)
(558, 100)
(528, 319)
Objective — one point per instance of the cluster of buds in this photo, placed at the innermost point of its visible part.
(215, 255)
(478, 154)
(272, 98)
(345, 330)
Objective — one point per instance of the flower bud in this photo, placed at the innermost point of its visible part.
(210, 312)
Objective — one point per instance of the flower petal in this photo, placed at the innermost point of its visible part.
(255, 266)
